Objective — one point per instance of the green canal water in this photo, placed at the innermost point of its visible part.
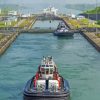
(77, 61)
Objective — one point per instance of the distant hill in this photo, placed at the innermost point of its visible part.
(81, 7)
(93, 11)
(92, 14)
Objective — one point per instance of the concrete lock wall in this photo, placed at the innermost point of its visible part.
(8, 43)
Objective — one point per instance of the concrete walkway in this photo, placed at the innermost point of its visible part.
(20, 22)
(93, 39)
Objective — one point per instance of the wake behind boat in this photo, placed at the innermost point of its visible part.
(62, 30)
(47, 83)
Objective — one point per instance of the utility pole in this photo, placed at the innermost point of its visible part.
(96, 15)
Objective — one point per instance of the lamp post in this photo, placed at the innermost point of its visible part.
(96, 16)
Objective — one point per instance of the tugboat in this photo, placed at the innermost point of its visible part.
(62, 30)
(47, 83)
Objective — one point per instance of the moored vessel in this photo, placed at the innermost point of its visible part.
(62, 30)
(47, 83)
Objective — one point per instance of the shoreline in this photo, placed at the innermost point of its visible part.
(8, 42)
(93, 39)
(89, 34)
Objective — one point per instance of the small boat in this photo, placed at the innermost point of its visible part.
(47, 83)
(62, 30)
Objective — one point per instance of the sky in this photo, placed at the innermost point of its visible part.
(48, 1)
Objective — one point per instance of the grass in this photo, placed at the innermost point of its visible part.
(98, 35)
(83, 23)
(98, 22)
(26, 23)
(1, 36)
(2, 24)
(93, 11)
(13, 23)
(75, 23)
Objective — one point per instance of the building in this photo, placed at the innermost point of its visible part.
(73, 16)
(50, 11)
(26, 15)
(80, 17)
(14, 13)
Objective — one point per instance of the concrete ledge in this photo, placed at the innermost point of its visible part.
(8, 43)
(93, 39)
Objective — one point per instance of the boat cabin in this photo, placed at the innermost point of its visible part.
(47, 68)
(47, 77)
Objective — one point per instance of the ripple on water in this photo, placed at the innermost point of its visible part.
(77, 61)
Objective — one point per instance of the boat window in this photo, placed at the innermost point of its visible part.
(47, 71)
(51, 71)
(43, 65)
(47, 65)
(43, 72)
(51, 65)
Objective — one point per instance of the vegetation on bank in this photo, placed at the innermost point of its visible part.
(8, 24)
(82, 23)
(98, 35)
(2, 24)
(26, 23)
(98, 22)
(1, 36)
(93, 11)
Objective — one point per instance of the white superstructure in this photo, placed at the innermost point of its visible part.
(47, 76)
(13, 12)
(50, 10)
(47, 67)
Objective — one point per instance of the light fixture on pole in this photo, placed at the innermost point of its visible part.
(96, 15)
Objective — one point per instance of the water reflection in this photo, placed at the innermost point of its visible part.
(41, 98)
(65, 37)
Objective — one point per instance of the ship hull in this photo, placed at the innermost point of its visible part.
(63, 34)
(33, 95)
(45, 98)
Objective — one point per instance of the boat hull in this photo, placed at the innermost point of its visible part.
(45, 98)
(33, 95)
(63, 33)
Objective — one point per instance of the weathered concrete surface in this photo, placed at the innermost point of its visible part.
(20, 22)
(66, 20)
(93, 39)
(6, 42)
(32, 22)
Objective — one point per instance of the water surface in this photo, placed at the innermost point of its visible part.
(77, 61)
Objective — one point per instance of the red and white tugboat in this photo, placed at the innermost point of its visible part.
(47, 83)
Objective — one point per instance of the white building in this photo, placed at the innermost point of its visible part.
(50, 10)
(13, 18)
(26, 15)
(73, 16)
(14, 13)
(80, 17)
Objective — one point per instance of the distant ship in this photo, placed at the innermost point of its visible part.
(47, 83)
(62, 30)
